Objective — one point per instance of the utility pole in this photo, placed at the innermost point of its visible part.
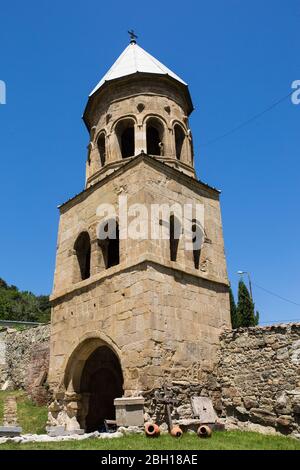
(250, 284)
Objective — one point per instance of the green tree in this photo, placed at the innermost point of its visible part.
(22, 306)
(233, 311)
(245, 308)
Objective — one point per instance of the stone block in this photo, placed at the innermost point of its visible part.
(129, 411)
(250, 402)
(56, 431)
(262, 416)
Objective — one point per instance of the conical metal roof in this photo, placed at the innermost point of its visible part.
(132, 60)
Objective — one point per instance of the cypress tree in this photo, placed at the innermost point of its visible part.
(245, 307)
(233, 311)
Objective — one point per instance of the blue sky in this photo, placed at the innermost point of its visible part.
(238, 58)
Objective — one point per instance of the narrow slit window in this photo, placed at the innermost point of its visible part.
(175, 229)
(102, 149)
(197, 235)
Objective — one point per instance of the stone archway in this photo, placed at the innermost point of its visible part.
(101, 382)
(94, 374)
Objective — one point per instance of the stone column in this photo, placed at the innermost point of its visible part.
(140, 139)
(97, 261)
(63, 413)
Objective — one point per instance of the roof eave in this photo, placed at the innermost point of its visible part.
(108, 82)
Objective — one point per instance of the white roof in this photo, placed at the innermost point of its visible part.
(132, 60)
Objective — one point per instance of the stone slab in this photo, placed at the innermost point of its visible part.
(129, 401)
(56, 431)
(10, 431)
(203, 410)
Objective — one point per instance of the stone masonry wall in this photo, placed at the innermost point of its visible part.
(255, 385)
(258, 377)
(24, 361)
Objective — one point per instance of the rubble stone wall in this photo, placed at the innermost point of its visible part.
(24, 361)
(255, 385)
(257, 379)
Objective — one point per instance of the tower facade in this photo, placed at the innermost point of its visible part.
(133, 307)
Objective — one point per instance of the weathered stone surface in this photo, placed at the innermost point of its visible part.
(250, 402)
(256, 368)
(10, 413)
(24, 361)
(128, 430)
(129, 411)
(284, 421)
(261, 416)
(203, 409)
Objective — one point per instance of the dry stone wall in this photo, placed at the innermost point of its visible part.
(24, 361)
(255, 385)
(257, 379)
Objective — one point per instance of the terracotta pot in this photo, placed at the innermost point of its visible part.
(176, 431)
(152, 430)
(204, 431)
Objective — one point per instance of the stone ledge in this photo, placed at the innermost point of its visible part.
(129, 401)
(147, 259)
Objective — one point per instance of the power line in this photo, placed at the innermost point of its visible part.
(248, 121)
(280, 321)
(276, 295)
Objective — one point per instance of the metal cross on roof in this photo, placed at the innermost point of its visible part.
(133, 36)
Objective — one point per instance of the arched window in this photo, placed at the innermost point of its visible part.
(179, 141)
(154, 137)
(102, 149)
(82, 248)
(175, 232)
(110, 243)
(197, 237)
(125, 135)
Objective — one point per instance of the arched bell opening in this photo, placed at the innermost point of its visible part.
(102, 149)
(126, 137)
(155, 137)
(179, 135)
(82, 249)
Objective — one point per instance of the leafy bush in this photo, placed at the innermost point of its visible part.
(22, 306)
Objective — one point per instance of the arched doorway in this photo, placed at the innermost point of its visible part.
(101, 382)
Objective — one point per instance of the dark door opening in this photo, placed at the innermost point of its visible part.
(102, 379)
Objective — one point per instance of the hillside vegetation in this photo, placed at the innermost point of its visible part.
(22, 306)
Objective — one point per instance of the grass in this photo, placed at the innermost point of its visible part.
(33, 419)
(231, 440)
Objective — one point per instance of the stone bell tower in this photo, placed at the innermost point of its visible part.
(131, 312)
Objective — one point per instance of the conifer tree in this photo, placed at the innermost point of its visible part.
(245, 307)
(233, 311)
